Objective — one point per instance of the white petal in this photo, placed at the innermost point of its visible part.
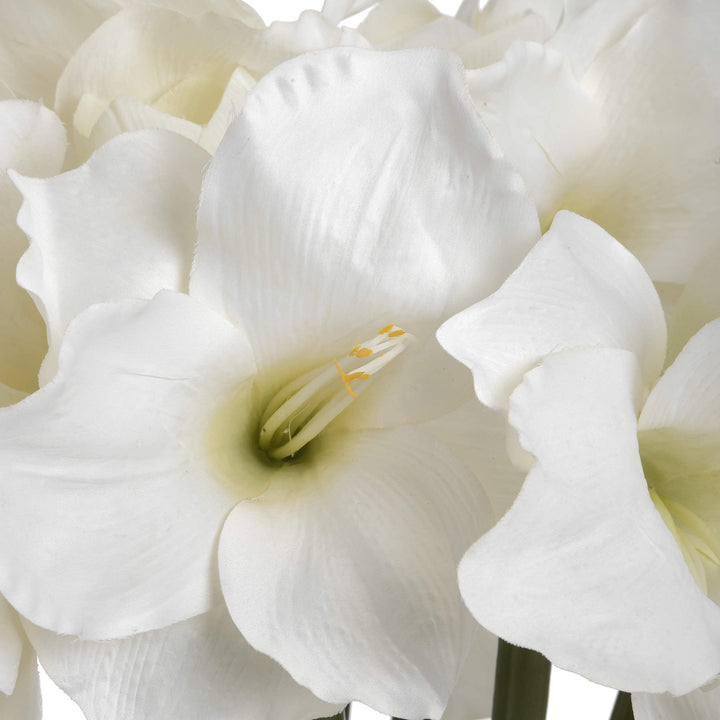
(180, 64)
(391, 19)
(11, 647)
(547, 126)
(125, 114)
(32, 140)
(500, 24)
(698, 303)
(109, 499)
(199, 668)
(680, 429)
(577, 288)
(589, 28)
(698, 705)
(395, 214)
(338, 10)
(25, 702)
(344, 570)
(582, 567)
(687, 396)
(655, 184)
(472, 695)
(479, 436)
(120, 226)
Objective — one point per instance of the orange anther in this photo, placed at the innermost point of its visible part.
(354, 350)
(396, 333)
(385, 329)
(363, 353)
(348, 378)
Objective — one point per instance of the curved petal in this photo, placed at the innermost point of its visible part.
(202, 667)
(392, 209)
(472, 696)
(547, 126)
(32, 140)
(687, 396)
(110, 507)
(392, 19)
(576, 288)
(37, 39)
(680, 429)
(582, 567)
(655, 184)
(120, 226)
(11, 647)
(701, 704)
(479, 436)
(500, 24)
(698, 303)
(178, 64)
(338, 10)
(589, 28)
(25, 702)
(344, 570)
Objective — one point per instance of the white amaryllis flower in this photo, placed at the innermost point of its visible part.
(608, 561)
(181, 65)
(603, 120)
(292, 408)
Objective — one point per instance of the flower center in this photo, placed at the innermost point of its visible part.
(304, 407)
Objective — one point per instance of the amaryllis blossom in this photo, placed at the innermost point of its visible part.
(615, 117)
(276, 430)
(108, 68)
(608, 561)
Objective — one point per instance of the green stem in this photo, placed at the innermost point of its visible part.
(522, 684)
(622, 709)
(344, 714)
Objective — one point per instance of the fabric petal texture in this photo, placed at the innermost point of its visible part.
(655, 183)
(201, 667)
(700, 704)
(397, 216)
(577, 288)
(110, 461)
(120, 226)
(344, 570)
(582, 567)
(32, 141)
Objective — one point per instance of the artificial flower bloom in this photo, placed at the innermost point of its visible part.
(202, 666)
(32, 140)
(602, 120)
(480, 36)
(608, 560)
(181, 66)
(274, 439)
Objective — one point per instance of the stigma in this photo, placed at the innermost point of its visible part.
(304, 407)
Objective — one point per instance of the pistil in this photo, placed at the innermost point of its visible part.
(304, 407)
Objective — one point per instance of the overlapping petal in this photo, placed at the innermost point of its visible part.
(582, 567)
(111, 507)
(655, 183)
(120, 226)
(32, 140)
(404, 213)
(25, 702)
(344, 570)
(547, 126)
(202, 667)
(11, 647)
(699, 705)
(577, 288)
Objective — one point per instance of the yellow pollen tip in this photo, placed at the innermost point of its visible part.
(396, 333)
(354, 350)
(347, 378)
(363, 352)
(387, 328)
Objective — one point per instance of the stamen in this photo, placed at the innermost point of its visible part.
(304, 407)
